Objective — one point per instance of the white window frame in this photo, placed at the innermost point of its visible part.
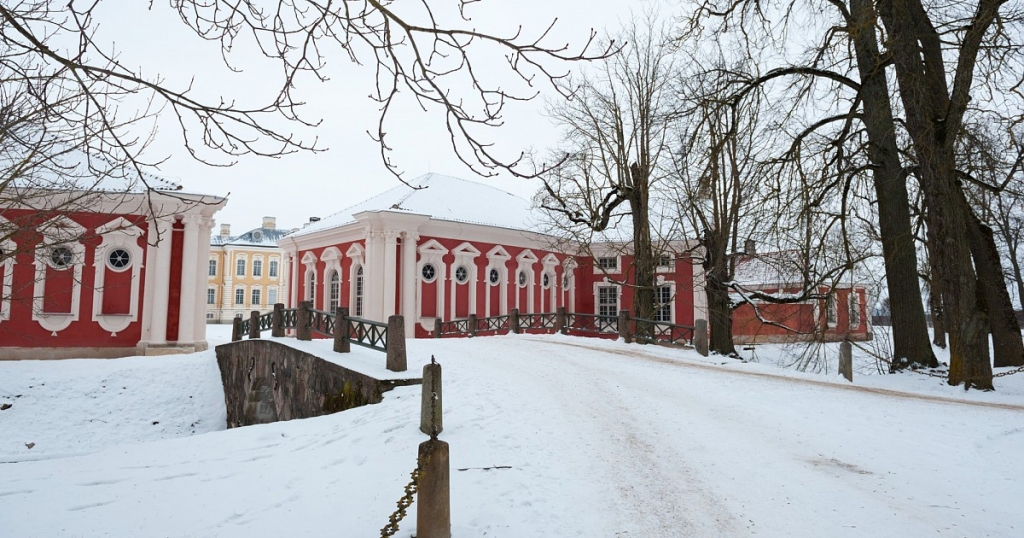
(273, 268)
(239, 291)
(599, 269)
(211, 296)
(241, 262)
(255, 296)
(597, 298)
(257, 267)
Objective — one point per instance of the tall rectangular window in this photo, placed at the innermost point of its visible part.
(607, 301)
(213, 268)
(211, 296)
(854, 309)
(273, 269)
(272, 296)
(257, 268)
(831, 315)
(240, 268)
(663, 309)
(256, 297)
(239, 296)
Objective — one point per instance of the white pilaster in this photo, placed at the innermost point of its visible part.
(189, 254)
(390, 278)
(202, 267)
(409, 240)
(161, 280)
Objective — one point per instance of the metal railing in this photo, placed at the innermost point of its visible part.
(494, 324)
(345, 329)
(538, 322)
(367, 333)
(592, 323)
(660, 332)
(455, 326)
(321, 322)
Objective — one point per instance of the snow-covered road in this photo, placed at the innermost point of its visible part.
(592, 439)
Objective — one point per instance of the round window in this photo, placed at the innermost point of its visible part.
(565, 282)
(493, 276)
(61, 257)
(522, 278)
(119, 258)
(461, 275)
(546, 280)
(429, 272)
(257, 236)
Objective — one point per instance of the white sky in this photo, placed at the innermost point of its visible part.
(296, 187)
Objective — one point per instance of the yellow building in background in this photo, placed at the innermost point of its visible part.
(246, 272)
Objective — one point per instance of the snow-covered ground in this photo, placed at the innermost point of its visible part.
(599, 438)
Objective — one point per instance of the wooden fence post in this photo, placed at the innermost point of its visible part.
(471, 325)
(302, 321)
(254, 324)
(624, 333)
(700, 336)
(513, 320)
(277, 321)
(396, 344)
(236, 329)
(341, 341)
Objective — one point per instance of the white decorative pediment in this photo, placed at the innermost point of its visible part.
(526, 257)
(309, 258)
(432, 247)
(550, 260)
(119, 234)
(498, 252)
(355, 251)
(466, 250)
(331, 254)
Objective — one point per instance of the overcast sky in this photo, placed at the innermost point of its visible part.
(299, 186)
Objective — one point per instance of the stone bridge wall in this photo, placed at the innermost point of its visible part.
(266, 381)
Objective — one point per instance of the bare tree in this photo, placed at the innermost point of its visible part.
(616, 148)
(837, 90)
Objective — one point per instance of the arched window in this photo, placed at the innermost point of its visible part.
(335, 281)
(359, 292)
(310, 285)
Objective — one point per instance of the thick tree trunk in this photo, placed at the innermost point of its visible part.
(644, 263)
(716, 272)
(909, 326)
(935, 294)
(933, 121)
(1007, 346)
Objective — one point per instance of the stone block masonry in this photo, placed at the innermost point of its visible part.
(266, 381)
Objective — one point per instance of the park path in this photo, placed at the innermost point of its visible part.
(678, 448)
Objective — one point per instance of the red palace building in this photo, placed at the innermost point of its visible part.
(450, 248)
(103, 267)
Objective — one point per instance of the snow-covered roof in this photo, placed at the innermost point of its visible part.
(257, 237)
(79, 171)
(441, 198)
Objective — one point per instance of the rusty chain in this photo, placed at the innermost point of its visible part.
(421, 462)
(945, 375)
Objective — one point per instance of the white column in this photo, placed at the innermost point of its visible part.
(161, 280)
(409, 240)
(189, 255)
(390, 279)
(147, 291)
(373, 275)
(293, 284)
(202, 279)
